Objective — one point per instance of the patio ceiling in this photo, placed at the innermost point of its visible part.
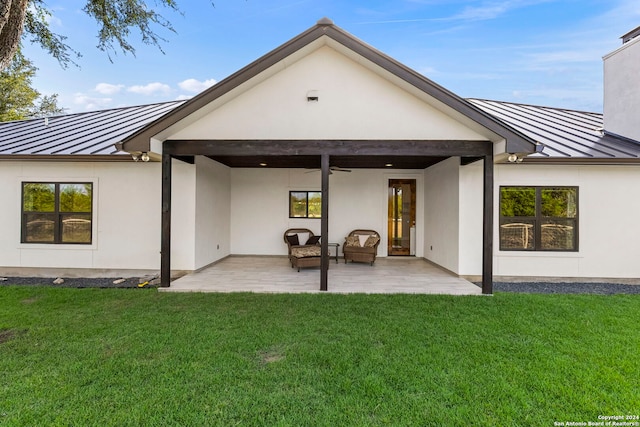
(352, 162)
(397, 154)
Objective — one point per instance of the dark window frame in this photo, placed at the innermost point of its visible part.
(306, 216)
(539, 219)
(56, 215)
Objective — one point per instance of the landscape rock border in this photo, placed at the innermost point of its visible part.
(83, 282)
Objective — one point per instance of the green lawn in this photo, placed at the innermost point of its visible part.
(138, 357)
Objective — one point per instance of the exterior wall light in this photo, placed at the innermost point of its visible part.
(514, 158)
(144, 157)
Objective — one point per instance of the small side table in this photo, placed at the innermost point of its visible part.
(336, 246)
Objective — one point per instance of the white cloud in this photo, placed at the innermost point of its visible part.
(493, 9)
(49, 18)
(196, 86)
(183, 97)
(150, 89)
(427, 71)
(91, 103)
(108, 89)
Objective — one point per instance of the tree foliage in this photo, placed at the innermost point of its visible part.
(518, 201)
(556, 202)
(20, 19)
(18, 100)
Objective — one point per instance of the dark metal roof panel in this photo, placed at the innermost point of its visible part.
(81, 134)
(565, 134)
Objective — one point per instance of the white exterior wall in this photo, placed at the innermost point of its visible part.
(441, 212)
(245, 211)
(609, 239)
(213, 212)
(354, 103)
(126, 217)
(260, 206)
(621, 90)
(471, 220)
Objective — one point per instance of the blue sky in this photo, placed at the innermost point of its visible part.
(543, 52)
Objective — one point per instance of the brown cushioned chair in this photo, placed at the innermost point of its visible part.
(356, 252)
(300, 254)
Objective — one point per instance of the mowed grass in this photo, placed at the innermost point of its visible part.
(138, 357)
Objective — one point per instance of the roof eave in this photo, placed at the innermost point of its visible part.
(140, 140)
(120, 157)
(576, 161)
(516, 142)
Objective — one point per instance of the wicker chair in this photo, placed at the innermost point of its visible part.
(358, 251)
(302, 255)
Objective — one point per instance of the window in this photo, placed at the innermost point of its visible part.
(56, 212)
(538, 218)
(305, 204)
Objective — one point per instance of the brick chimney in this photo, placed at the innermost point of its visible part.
(622, 88)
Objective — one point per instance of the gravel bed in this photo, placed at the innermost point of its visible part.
(76, 282)
(566, 288)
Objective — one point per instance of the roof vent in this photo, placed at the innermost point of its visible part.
(325, 21)
(312, 96)
(630, 35)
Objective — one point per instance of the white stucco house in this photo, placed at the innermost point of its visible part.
(486, 188)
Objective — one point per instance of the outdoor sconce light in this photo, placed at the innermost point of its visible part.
(514, 158)
(135, 157)
(144, 157)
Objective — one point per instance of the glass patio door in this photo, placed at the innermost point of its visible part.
(401, 216)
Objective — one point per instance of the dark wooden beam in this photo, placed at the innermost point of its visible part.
(187, 159)
(165, 246)
(487, 226)
(330, 147)
(464, 161)
(324, 224)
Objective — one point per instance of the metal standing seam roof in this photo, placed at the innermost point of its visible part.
(566, 134)
(81, 134)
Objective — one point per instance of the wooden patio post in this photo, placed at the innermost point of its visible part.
(165, 247)
(324, 224)
(487, 226)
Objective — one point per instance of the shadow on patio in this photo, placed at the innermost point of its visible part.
(275, 275)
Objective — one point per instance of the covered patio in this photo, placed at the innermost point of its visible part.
(273, 274)
(324, 100)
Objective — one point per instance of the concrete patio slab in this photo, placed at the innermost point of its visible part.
(392, 275)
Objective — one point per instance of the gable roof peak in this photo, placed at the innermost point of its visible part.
(517, 142)
(325, 21)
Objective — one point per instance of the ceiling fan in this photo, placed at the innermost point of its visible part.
(331, 170)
